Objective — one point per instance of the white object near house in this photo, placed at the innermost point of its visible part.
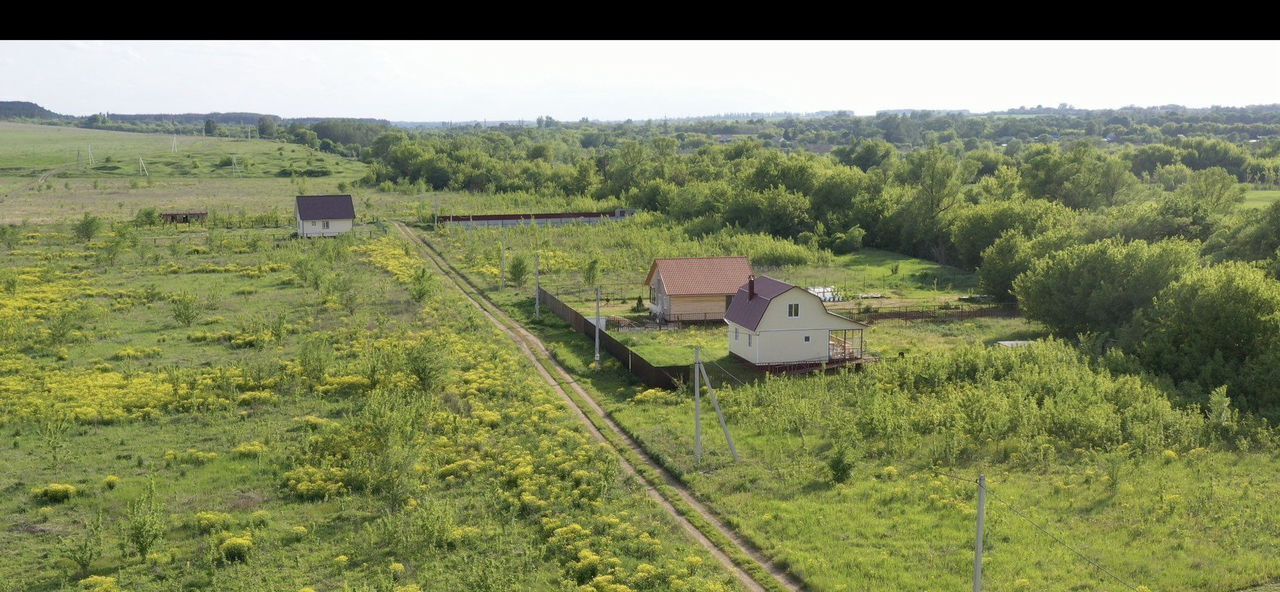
(775, 323)
(324, 215)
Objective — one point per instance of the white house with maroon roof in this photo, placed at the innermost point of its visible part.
(324, 215)
(775, 323)
(695, 288)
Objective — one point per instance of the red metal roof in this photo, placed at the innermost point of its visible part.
(695, 276)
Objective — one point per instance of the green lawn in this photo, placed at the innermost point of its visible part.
(1257, 199)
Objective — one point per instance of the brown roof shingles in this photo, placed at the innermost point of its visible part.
(700, 275)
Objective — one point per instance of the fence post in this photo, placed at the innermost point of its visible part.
(537, 294)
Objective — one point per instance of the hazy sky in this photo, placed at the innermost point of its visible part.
(437, 81)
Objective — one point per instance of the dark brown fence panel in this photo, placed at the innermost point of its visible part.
(668, 377)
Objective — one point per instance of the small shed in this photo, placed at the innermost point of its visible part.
(695, 288)
(325, 215)
(183, 217)
(774, 323)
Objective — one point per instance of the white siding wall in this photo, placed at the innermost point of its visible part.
(779, 339)
(311, 228)
(743, 342)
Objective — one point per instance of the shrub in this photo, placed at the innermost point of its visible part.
(185, 308)
(99, 584)
(314, 483)
(840, 466)
(88, 227)
(249, 449)
(110, 482)
(55, 493)
(211, 521)
(235, 548)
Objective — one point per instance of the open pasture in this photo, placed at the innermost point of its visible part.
(244, 377)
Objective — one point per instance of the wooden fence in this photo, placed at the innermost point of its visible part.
(668, 377)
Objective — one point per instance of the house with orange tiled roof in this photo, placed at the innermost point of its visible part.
(695, 288)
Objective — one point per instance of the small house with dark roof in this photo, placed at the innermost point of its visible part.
(695, 288)
(325, 215)
(774, 323)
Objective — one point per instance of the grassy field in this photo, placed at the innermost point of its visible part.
(40, 181)
(244, 412)
(903, 519)
(242, 376)
(1258, 199)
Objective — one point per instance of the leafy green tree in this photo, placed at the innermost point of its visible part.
(85, 547)
(975, 228)
(519, 270)
(210, 127)
(185, 308)
(145, 523)
(267, 126)
(591, 273)
(1216, 326)
(1098, 287)
(88, 227)
(866, 154)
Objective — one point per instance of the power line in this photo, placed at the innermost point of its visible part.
(1063, 543)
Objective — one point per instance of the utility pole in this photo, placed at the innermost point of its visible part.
(597, 327)
(715, 401)
(174, 147)
(90, 154)
(982, 518)
(697, 406)
(142, 167)
(537, 281)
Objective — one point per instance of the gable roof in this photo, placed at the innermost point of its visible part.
(700, 275)
(748, 312)
(325, 207)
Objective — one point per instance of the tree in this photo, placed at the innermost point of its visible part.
(86, 547)
(591, 274)
(144, 524)
(88, 227)
(185, 309)
(974, 228)
(1098, 287)
(519, 270)
(1216, 326)
(267, 126)
(210, 127)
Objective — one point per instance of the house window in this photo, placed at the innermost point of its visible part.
(806, 339)
(793, 310)
(325, 224)
(735, 333)
(313, 222)
(748, 340)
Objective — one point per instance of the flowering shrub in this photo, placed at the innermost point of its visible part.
(190, 456)
(314, 483)
(249, 449)
(99, 584)
(55, 492)
(234, 548)
(211, 521)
